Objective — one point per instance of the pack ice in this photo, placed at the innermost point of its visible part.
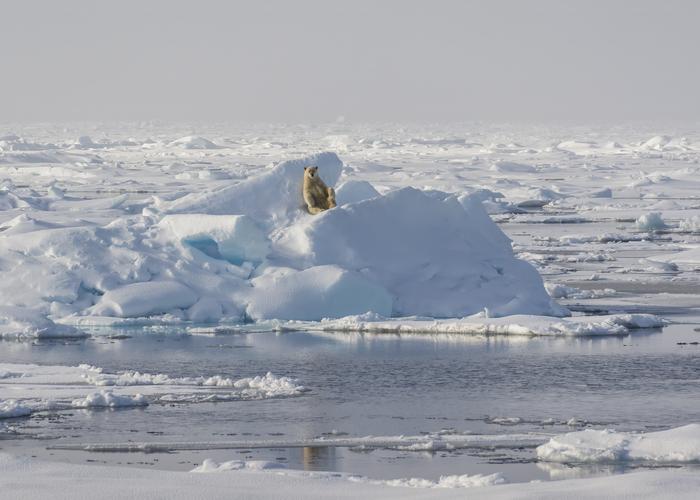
(248, 250)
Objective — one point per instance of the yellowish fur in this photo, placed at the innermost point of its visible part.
(317, 196)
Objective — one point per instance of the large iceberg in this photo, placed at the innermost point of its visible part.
(250, 251)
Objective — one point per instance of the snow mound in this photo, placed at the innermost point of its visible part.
(651, 222)
(353, 191)
(107, 399)
(315, 293)
(273, 197)
(144, 299)
(678, 445)
(460, 265)
(236, 238)
(194, 142)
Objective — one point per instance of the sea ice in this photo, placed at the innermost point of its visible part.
(107, 399)
(681, 444)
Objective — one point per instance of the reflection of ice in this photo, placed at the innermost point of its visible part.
(565, 471)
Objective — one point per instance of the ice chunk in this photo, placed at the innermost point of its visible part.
(10, 408)
(457, 266)
(690, 225)
(146, 298)
(315, 293)
(559, 291)
(23, 322)
(237, 238)
(353, 191)
(650, 222)
(107, 399)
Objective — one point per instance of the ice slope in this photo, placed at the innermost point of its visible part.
(272, 197)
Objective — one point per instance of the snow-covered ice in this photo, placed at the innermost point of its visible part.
(107, 399)
(26, 389)
(455, 481)
(80, 481)
(677, 445)
(248, 250)
(615, 324)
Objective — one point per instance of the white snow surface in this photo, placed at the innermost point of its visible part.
(77, 482)
(678, 445)
(453, 481)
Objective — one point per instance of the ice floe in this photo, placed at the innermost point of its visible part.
(614, 324)
(26, 389)
(678, 445)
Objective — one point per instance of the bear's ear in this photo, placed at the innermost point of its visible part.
(305, 169)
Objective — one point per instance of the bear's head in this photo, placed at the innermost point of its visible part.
(310, 172)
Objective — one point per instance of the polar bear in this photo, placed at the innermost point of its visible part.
(317, 195)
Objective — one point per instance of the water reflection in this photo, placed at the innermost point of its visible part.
(319, 458)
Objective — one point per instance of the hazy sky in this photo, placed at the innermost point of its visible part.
(302, 61)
